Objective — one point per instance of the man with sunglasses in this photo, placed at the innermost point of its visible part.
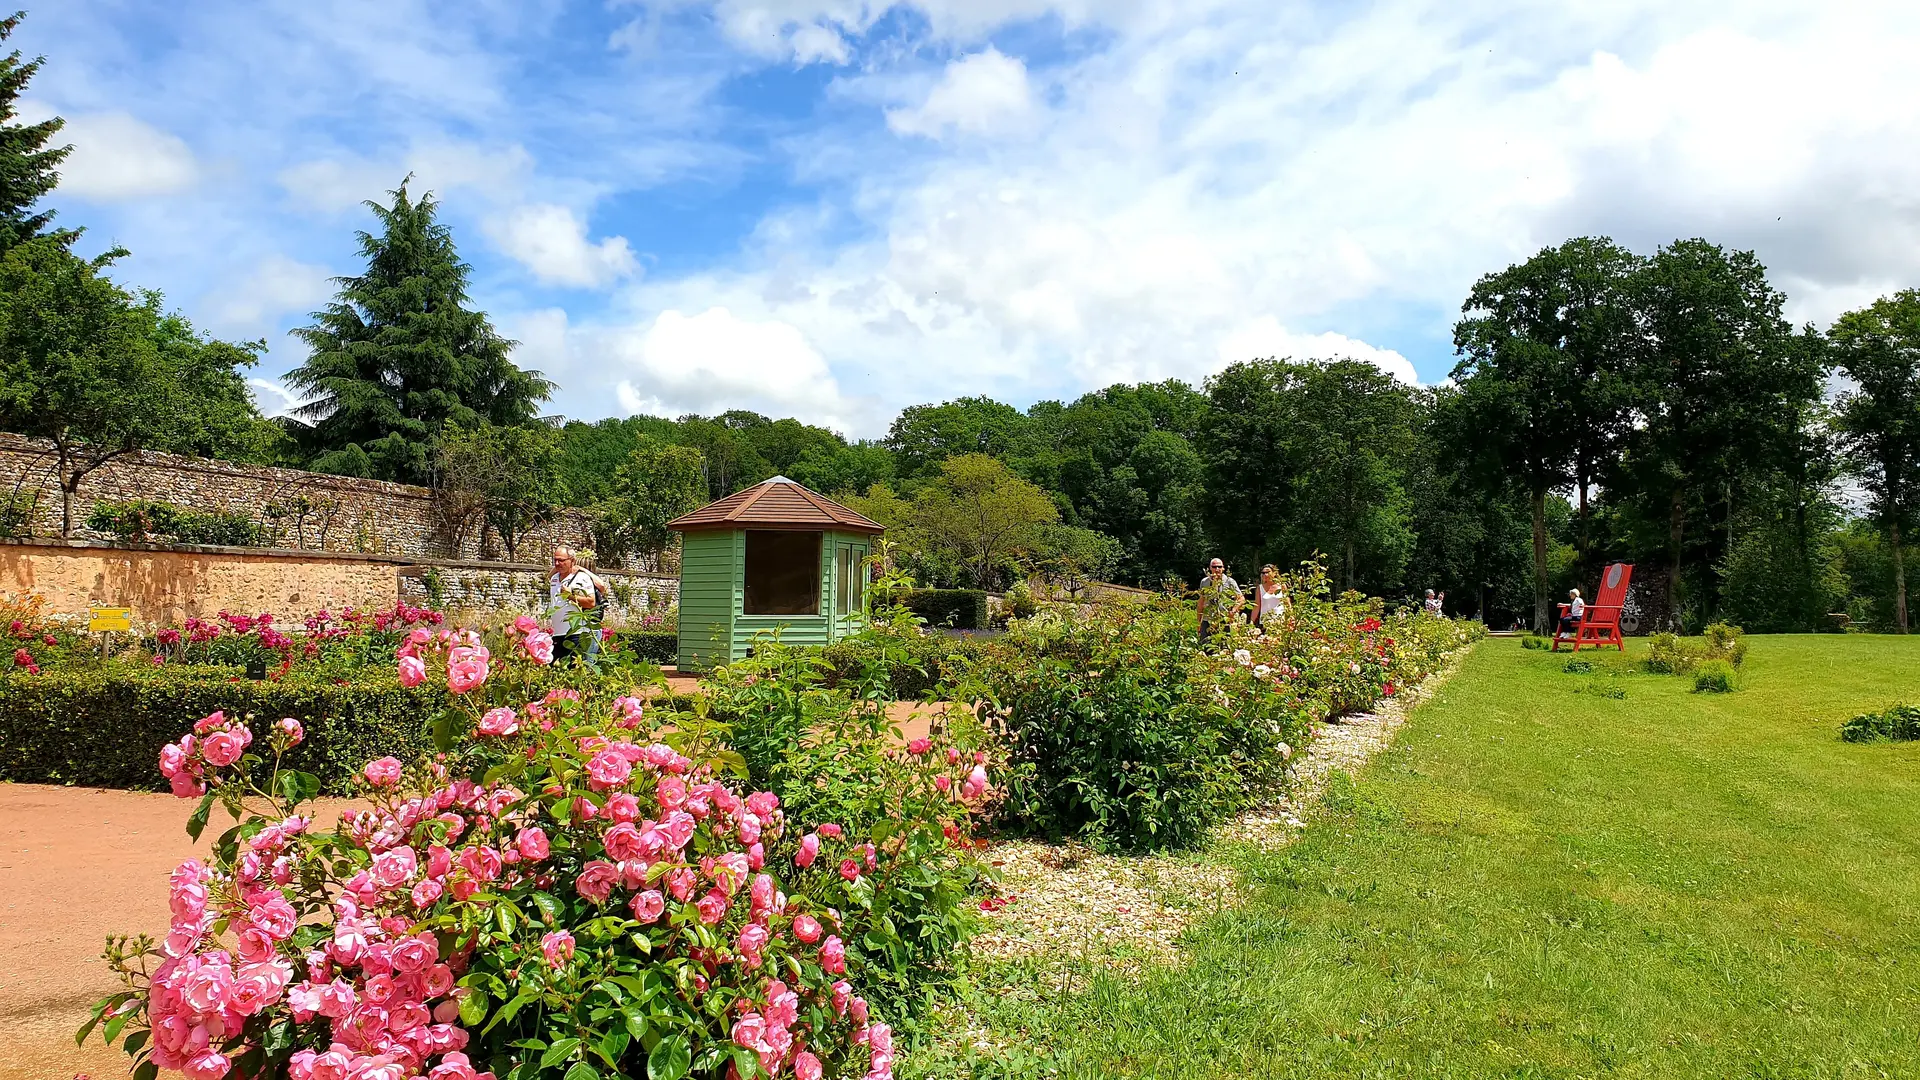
(571, 598)
(1220, 600)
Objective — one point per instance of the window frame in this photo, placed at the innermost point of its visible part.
(787, 538)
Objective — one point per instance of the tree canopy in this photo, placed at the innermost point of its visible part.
(397, 357)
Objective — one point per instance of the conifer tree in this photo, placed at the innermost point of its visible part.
(27, 162)
(397, 358)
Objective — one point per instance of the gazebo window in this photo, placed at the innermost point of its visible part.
(782, 573)
(851, 578)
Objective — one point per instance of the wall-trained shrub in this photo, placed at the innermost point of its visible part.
(151, 519)
(1900, 723)
(105, 728)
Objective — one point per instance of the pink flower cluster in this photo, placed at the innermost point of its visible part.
(197, 1001)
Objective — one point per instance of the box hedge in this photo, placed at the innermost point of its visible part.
(960, 609)
(653, 646)
(105, 728)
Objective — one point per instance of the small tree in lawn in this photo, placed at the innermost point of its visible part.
(976, 510)
(1878, 348)
(657, 483)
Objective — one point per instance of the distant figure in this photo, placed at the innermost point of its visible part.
(1220, 600)
(1576, 610)
(1270, 596)
(571, 596)
(1433, 602)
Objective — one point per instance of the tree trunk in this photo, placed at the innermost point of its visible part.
(1540, 624)
(1349, 582)
(1586, 540)
(1677, 532)
(1899, 582)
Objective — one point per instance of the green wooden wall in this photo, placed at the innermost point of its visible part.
(713, 630)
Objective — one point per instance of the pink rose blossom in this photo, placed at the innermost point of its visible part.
(291, 729)
(223, 748)
(596, 881)
(383, 772)
(465, 675)
(608, 769)
(807, 1067)
(532, 843)
(539, 646)
(558, 947)
(830, 831)
(833, 956)
(649, 906)
(413, 671)
(807, 929)
(713, 907)
(919, 746)
(498, 722)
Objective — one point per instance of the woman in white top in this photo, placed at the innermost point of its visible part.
(1270, 596)
(1576, 610)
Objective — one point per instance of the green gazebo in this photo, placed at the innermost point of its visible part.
(773, 557)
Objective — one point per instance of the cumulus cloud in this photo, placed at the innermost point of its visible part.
(978, 94)
(1265, 338)
(252, 304)
(117, 157)
(343, 182)
(551, 241)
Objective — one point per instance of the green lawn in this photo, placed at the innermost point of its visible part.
(1540, 881)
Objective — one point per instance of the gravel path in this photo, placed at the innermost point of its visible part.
(1063, 906)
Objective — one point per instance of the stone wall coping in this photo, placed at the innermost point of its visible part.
(308, 554)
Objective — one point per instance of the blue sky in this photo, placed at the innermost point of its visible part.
(835, 208)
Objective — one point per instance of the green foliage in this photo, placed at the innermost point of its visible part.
(397, 357)
(1019, 601)
(1534, 641)
(653, 646)
(105, 728)
(1901, 723)
(1713, 677)
(1670, 654)
(957, 609)
(29, 159)
(17, 510)
(1576, 666)
(655, 484)
(978, 515)
(101, 374)
(502, 479)
(145, 520)
(1878, 348)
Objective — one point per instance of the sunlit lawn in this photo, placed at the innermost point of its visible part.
(1540, 882)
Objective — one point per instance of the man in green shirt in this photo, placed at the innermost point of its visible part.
(1220, 600)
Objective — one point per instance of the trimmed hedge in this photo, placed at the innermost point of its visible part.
(653, 646)
(106, 728)
(1900, 723)
(960, 609)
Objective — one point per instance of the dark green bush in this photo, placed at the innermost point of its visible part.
(652, 646)
(914, 662)
(145, 519)
(1900, 723)
(1577, 666)
(959, 609)
(105, 728)
(1533, 641)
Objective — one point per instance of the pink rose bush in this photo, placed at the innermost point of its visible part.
(553, 894)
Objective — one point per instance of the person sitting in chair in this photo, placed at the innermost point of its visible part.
(1576, 609)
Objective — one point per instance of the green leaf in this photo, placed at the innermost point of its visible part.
(508, 1010)
(582, 1071)
(473, 1007)
(112, 1031)
(670, 1059)
(559, 1052)
(735, 762)
(135, 1041)
(636, 1022)
(548, 905)
(443, 731)
(746, 1063)
(297, 787)
(147, 1070)
(197, 823)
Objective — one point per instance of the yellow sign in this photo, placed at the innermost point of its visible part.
(109, 618)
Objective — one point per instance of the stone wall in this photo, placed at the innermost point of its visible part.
(164, 585)
(305, 511)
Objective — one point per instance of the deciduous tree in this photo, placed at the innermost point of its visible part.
(1878, 348)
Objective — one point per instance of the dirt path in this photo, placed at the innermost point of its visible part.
(77, 865)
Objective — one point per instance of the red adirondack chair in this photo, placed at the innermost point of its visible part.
(1600, 625)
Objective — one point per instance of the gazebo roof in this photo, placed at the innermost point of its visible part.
(778, 503)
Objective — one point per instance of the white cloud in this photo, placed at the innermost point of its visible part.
(983, 93)
(551, 241)
(252, 304)
(1265, 338)
(273, 398)
(716, 360)
(343, 182)
(116, 156)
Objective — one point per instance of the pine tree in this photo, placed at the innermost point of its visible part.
(397, 358)
(27, 163)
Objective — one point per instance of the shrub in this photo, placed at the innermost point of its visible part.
(145, 519)
(958, 609)
(547, 897)
(1670, 654)
(16, 511)
(1899, 723)
(914, 661)
(105, 728)
(1019, 601)
(1534, 641)
(652, 646)
(1577, 666)
(1713, 677)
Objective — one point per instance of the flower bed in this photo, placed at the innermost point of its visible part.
(550, 895)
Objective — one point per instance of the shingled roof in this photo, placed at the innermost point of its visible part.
(778, 503)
